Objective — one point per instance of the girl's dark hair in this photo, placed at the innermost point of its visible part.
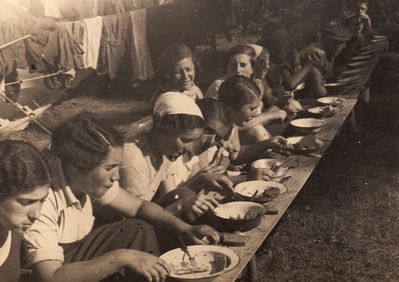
(84, 141)
(22, 168)
(242, 49)
(238, 91)
(215, 110)
(171, 56)
(179, 122)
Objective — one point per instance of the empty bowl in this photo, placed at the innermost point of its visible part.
(307, 125)
(212, 261)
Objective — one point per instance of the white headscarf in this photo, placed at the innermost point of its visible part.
(258, 49)
(174, 103)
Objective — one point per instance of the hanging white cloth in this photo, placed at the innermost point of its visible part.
(91, 41)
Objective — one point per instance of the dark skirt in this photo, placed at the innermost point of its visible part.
(133, 234)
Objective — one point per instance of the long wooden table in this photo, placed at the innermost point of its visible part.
(300, 174)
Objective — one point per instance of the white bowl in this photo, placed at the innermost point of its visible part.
(214, 260)
(380, 37)
(353, 71)
(361, 57)
(333, 101)
(358, 64)
(304, 144)
(240, 210)
(325, 111)
(274, 171)
(307, 125)
(335, 84)
(353, 78)
(248, 189)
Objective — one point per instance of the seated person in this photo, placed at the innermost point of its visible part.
(177, 72)
(177, 122)
(241, 97)
(63, 246)
(24, 184)
(291, 68)
(241, 60)
(195, 169)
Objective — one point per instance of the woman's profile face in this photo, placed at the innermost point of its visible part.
(96, 182)
(214, 132)
(182, 74)
(17, 213)
(246, 113)
(177, 142)
(239, 64)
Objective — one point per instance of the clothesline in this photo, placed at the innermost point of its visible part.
(15, 41)
(37, 77)
(19, 108)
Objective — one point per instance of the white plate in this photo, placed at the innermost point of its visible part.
(378, 40)
(322, 111)
(248, 188)
(353, 71)
(362, 57)
(307, 123)
(334, 101)
(310, 141)
(357, 64)
(239, 210)
(217, 259)
(380, 37)
(349, 79)
(334, 84)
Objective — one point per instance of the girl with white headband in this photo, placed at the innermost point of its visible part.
(177, 121)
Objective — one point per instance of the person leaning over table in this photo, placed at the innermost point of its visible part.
(24, 184)
(177, 122)
(62, 246)
(198, 169)
(241, 97)
(242, 60)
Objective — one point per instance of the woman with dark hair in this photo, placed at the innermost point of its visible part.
(24, 184)
(62, 244)
(250, 61)
(177, 72)
(242, 97)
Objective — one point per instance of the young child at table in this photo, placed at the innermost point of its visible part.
(24, 184)
(63, 246)
(242, 60)
(177, 72)
(241, 97)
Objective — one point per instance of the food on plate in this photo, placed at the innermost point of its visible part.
(333, 101)
(303, 143)
(186, 267)
(325, 111)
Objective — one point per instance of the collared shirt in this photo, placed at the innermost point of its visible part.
(63, 219)
(139, 176)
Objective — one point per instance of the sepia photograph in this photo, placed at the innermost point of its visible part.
(199, 140)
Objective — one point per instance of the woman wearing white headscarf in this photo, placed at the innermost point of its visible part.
(177, 121)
